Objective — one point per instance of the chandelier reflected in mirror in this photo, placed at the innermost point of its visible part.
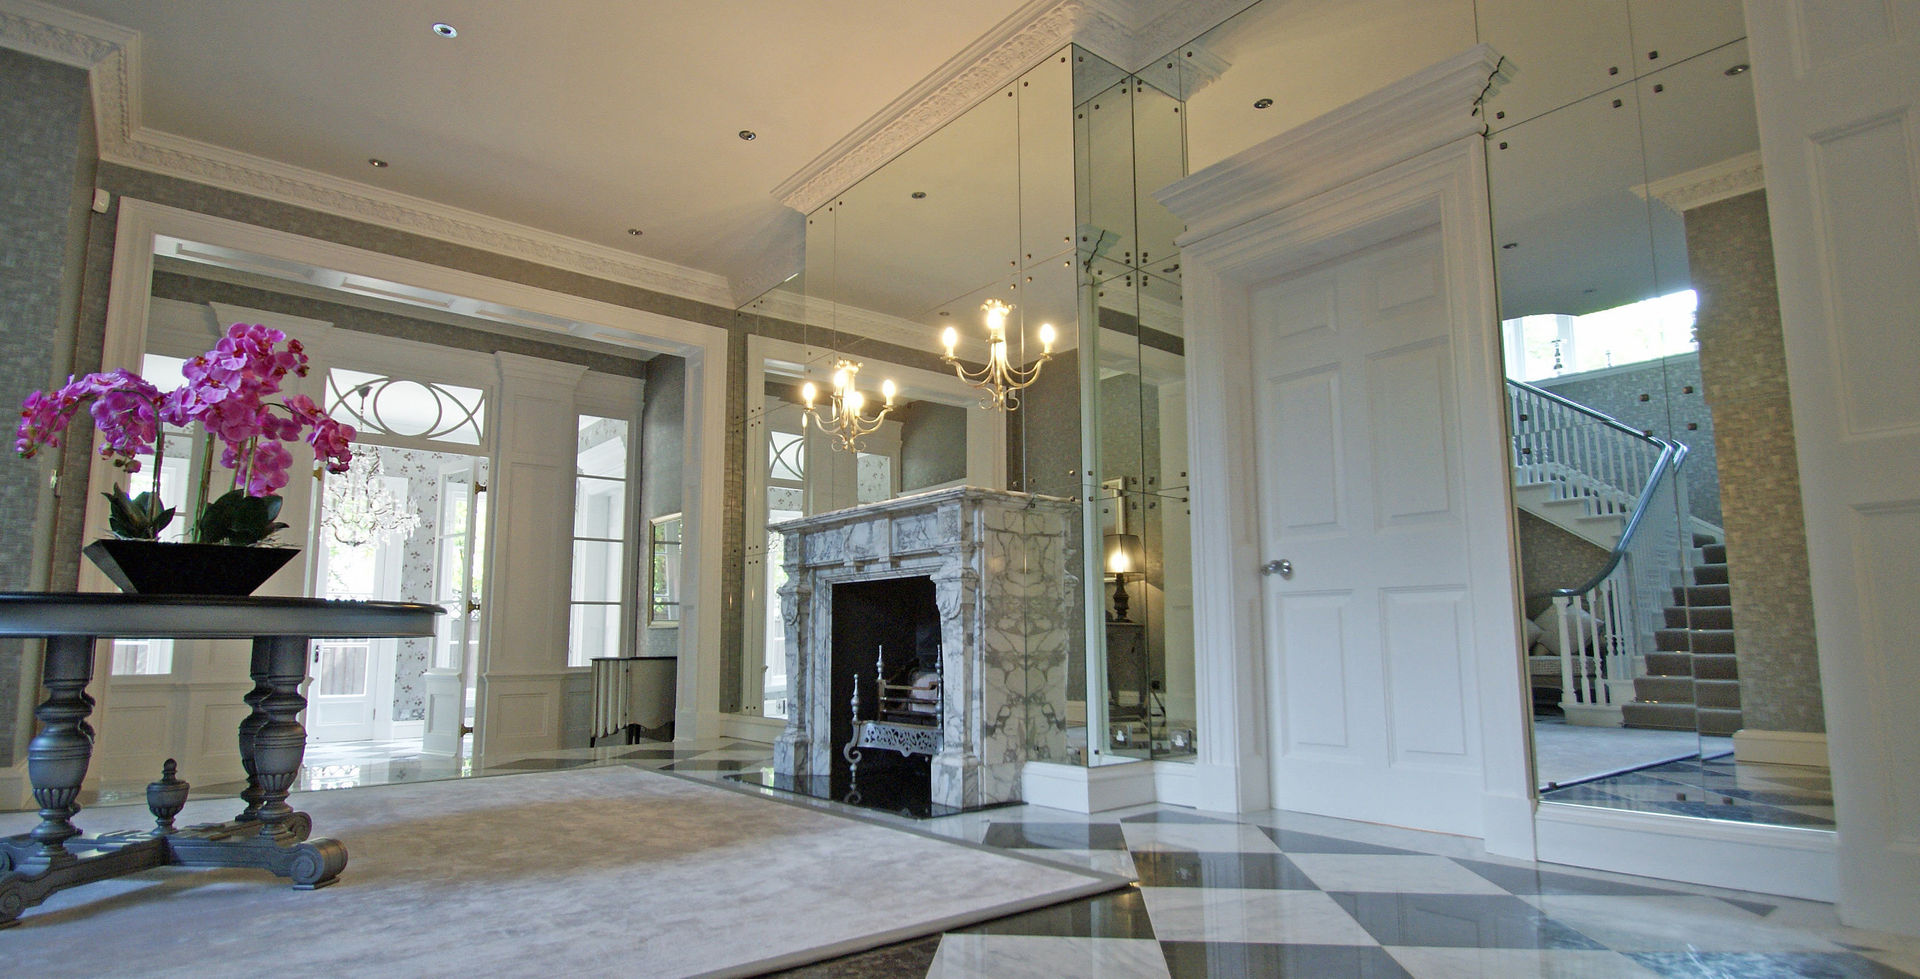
(362, 509)
(844, 418)
(999, 379)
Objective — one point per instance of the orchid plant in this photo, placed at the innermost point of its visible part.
(231, 392)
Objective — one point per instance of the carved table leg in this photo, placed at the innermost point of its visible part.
(274, 742)
(280, 742)
(250, 726)
(57, 757)
(39, 863)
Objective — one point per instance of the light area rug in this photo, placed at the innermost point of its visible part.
(604, 872)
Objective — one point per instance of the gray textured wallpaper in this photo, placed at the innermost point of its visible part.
(45, 127)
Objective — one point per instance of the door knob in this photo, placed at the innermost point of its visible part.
(1282, 568)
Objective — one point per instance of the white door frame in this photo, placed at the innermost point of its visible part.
(1406, 158)
(703, 347)
(1838, 96)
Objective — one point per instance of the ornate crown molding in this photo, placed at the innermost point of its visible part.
(1033, 32)
(111, 55)
(1129, 33)
(1714, 182)
(60, 35)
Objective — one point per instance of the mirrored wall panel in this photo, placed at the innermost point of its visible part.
(1668, 647)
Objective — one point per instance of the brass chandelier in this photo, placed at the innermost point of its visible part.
(999, 379)
(845, 419)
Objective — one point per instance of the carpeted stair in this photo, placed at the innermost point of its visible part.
(1693, 681)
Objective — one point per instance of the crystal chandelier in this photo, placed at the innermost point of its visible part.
(844, 418)
(360, 509)
(999, 379)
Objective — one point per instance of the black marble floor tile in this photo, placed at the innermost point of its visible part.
(912, 958)
(1586, 794)
(1737, 813)
(1777, 797)
(1232, 960)
(1121, 914)
(1527, 880)
(1267, 871)
(1055, 836)
(546, 764)
(1459, 921)
(1765, 965)
(1175, 816)
(658, 753)
(1293, 841)
(714, 765)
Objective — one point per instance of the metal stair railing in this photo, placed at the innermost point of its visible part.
(1608, 623)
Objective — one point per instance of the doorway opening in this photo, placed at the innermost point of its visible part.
(407, 526)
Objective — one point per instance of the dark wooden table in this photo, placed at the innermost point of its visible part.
(267, 834)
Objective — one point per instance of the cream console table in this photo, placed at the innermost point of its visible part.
(268, 834)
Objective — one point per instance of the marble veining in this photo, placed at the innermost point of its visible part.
(1004, 592)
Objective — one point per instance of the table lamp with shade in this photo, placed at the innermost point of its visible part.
(1126, 561)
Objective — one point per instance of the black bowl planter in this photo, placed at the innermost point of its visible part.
(146, 567)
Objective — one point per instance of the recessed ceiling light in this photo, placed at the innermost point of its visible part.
(748, 135)
(919, 195)
(1739, 69)
(445, 30)
(1263, 104)
(376, 163)
(636, 232)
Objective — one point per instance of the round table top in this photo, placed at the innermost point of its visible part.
(114, 615)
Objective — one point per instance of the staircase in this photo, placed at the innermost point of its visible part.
(1623, 663)
(1692, 679)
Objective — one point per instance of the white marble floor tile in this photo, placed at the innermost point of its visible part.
(1199, 914)
(1201, 837)
(1368, 872)
(1676, 924)
(1344, 829)
(1034, 957)
(1516, 963)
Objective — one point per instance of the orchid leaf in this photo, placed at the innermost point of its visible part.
(239, 519)
(136, 518)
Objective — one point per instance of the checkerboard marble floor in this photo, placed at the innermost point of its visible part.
(1292, 895)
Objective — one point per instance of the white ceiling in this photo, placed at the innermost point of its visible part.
(583, 118)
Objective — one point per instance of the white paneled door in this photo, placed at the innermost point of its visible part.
(1364, 529)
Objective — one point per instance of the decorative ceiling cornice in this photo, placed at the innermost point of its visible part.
(1016, 44)
(60, 35)
(1128, 33)
(1714, 182)
(111, 54)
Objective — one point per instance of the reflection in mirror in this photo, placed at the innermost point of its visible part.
(1131, 138)
(663, 571)
(1630, 425)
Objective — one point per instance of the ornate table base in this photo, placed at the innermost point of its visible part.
(267, 834)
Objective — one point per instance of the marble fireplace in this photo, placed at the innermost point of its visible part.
(1001, 592)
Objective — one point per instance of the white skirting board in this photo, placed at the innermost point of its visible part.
(1784, 860)
(1077, 788)
(1780, 747)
